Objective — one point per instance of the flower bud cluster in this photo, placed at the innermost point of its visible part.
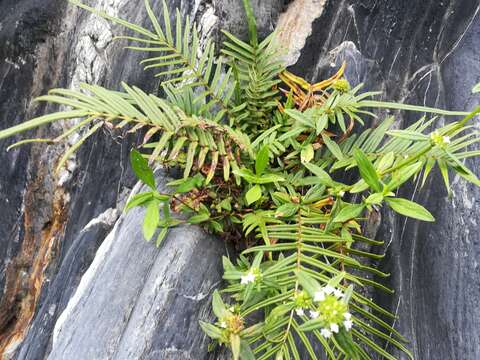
(328, 306)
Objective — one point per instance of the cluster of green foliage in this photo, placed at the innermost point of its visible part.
(259, 167)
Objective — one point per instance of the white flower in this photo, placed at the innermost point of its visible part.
(348, 324)
(326, 333)
(338, 293)
(446, 139)
(314, 314)
(334, 328)
(249, 278)
(347, 316)
(319, 296)
(300, 312)
(328, 289)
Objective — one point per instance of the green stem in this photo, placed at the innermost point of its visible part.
(252, 23)
(429, 147)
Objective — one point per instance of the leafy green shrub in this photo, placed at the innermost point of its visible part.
(259, 148)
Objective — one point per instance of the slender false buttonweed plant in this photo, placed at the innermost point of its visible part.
(259, 148)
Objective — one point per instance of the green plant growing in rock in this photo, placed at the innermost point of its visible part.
(260, 150)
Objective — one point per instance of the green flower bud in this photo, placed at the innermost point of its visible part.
(341, 85)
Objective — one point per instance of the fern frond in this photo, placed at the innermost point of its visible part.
(202, 140)
(321, 254)
(176, 53)
(256, 69)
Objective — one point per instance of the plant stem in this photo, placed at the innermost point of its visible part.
(252, 23)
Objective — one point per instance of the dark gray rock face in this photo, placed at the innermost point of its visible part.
(131, 282)
(425, 53)
(138, 302)
(46, 240)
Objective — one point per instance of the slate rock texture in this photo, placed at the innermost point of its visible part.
(45, 217)
(141, 302)
(424, 52)
(421, 53)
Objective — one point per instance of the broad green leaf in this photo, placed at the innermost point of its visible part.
(347, 344)
(253, 330)
(321, 123)
(286, 210)
(151, 220)
(186, 185)
(199, 218)
(367, 171)
(161, 197)
(385, 162)
(302, 118)
(269, 178)
(310, 285)
(226, 204)
(141, 169)
(218, 306)
(211, 330)
(246, 352)
(281, 197)
(323, 176)
(375, 198)
(246, 174)
(410, 209)
(254, 194)
(161, 236)
(359, 186)
(261, 160)
(216, 226)
(351, 211)
(307, 153)
(333, 147)
(235, 346)
(277, 314)
(138, 200)
(404, 174)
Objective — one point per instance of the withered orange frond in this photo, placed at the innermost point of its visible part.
(303, 93)
(326, 83)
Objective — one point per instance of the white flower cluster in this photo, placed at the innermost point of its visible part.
(327, 290)
(330, 309)
(347, 323)
(251, 276)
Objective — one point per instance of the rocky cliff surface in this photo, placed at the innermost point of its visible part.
(70, 291)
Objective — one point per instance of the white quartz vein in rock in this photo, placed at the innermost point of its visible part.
(295, 26)
(108, 217)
